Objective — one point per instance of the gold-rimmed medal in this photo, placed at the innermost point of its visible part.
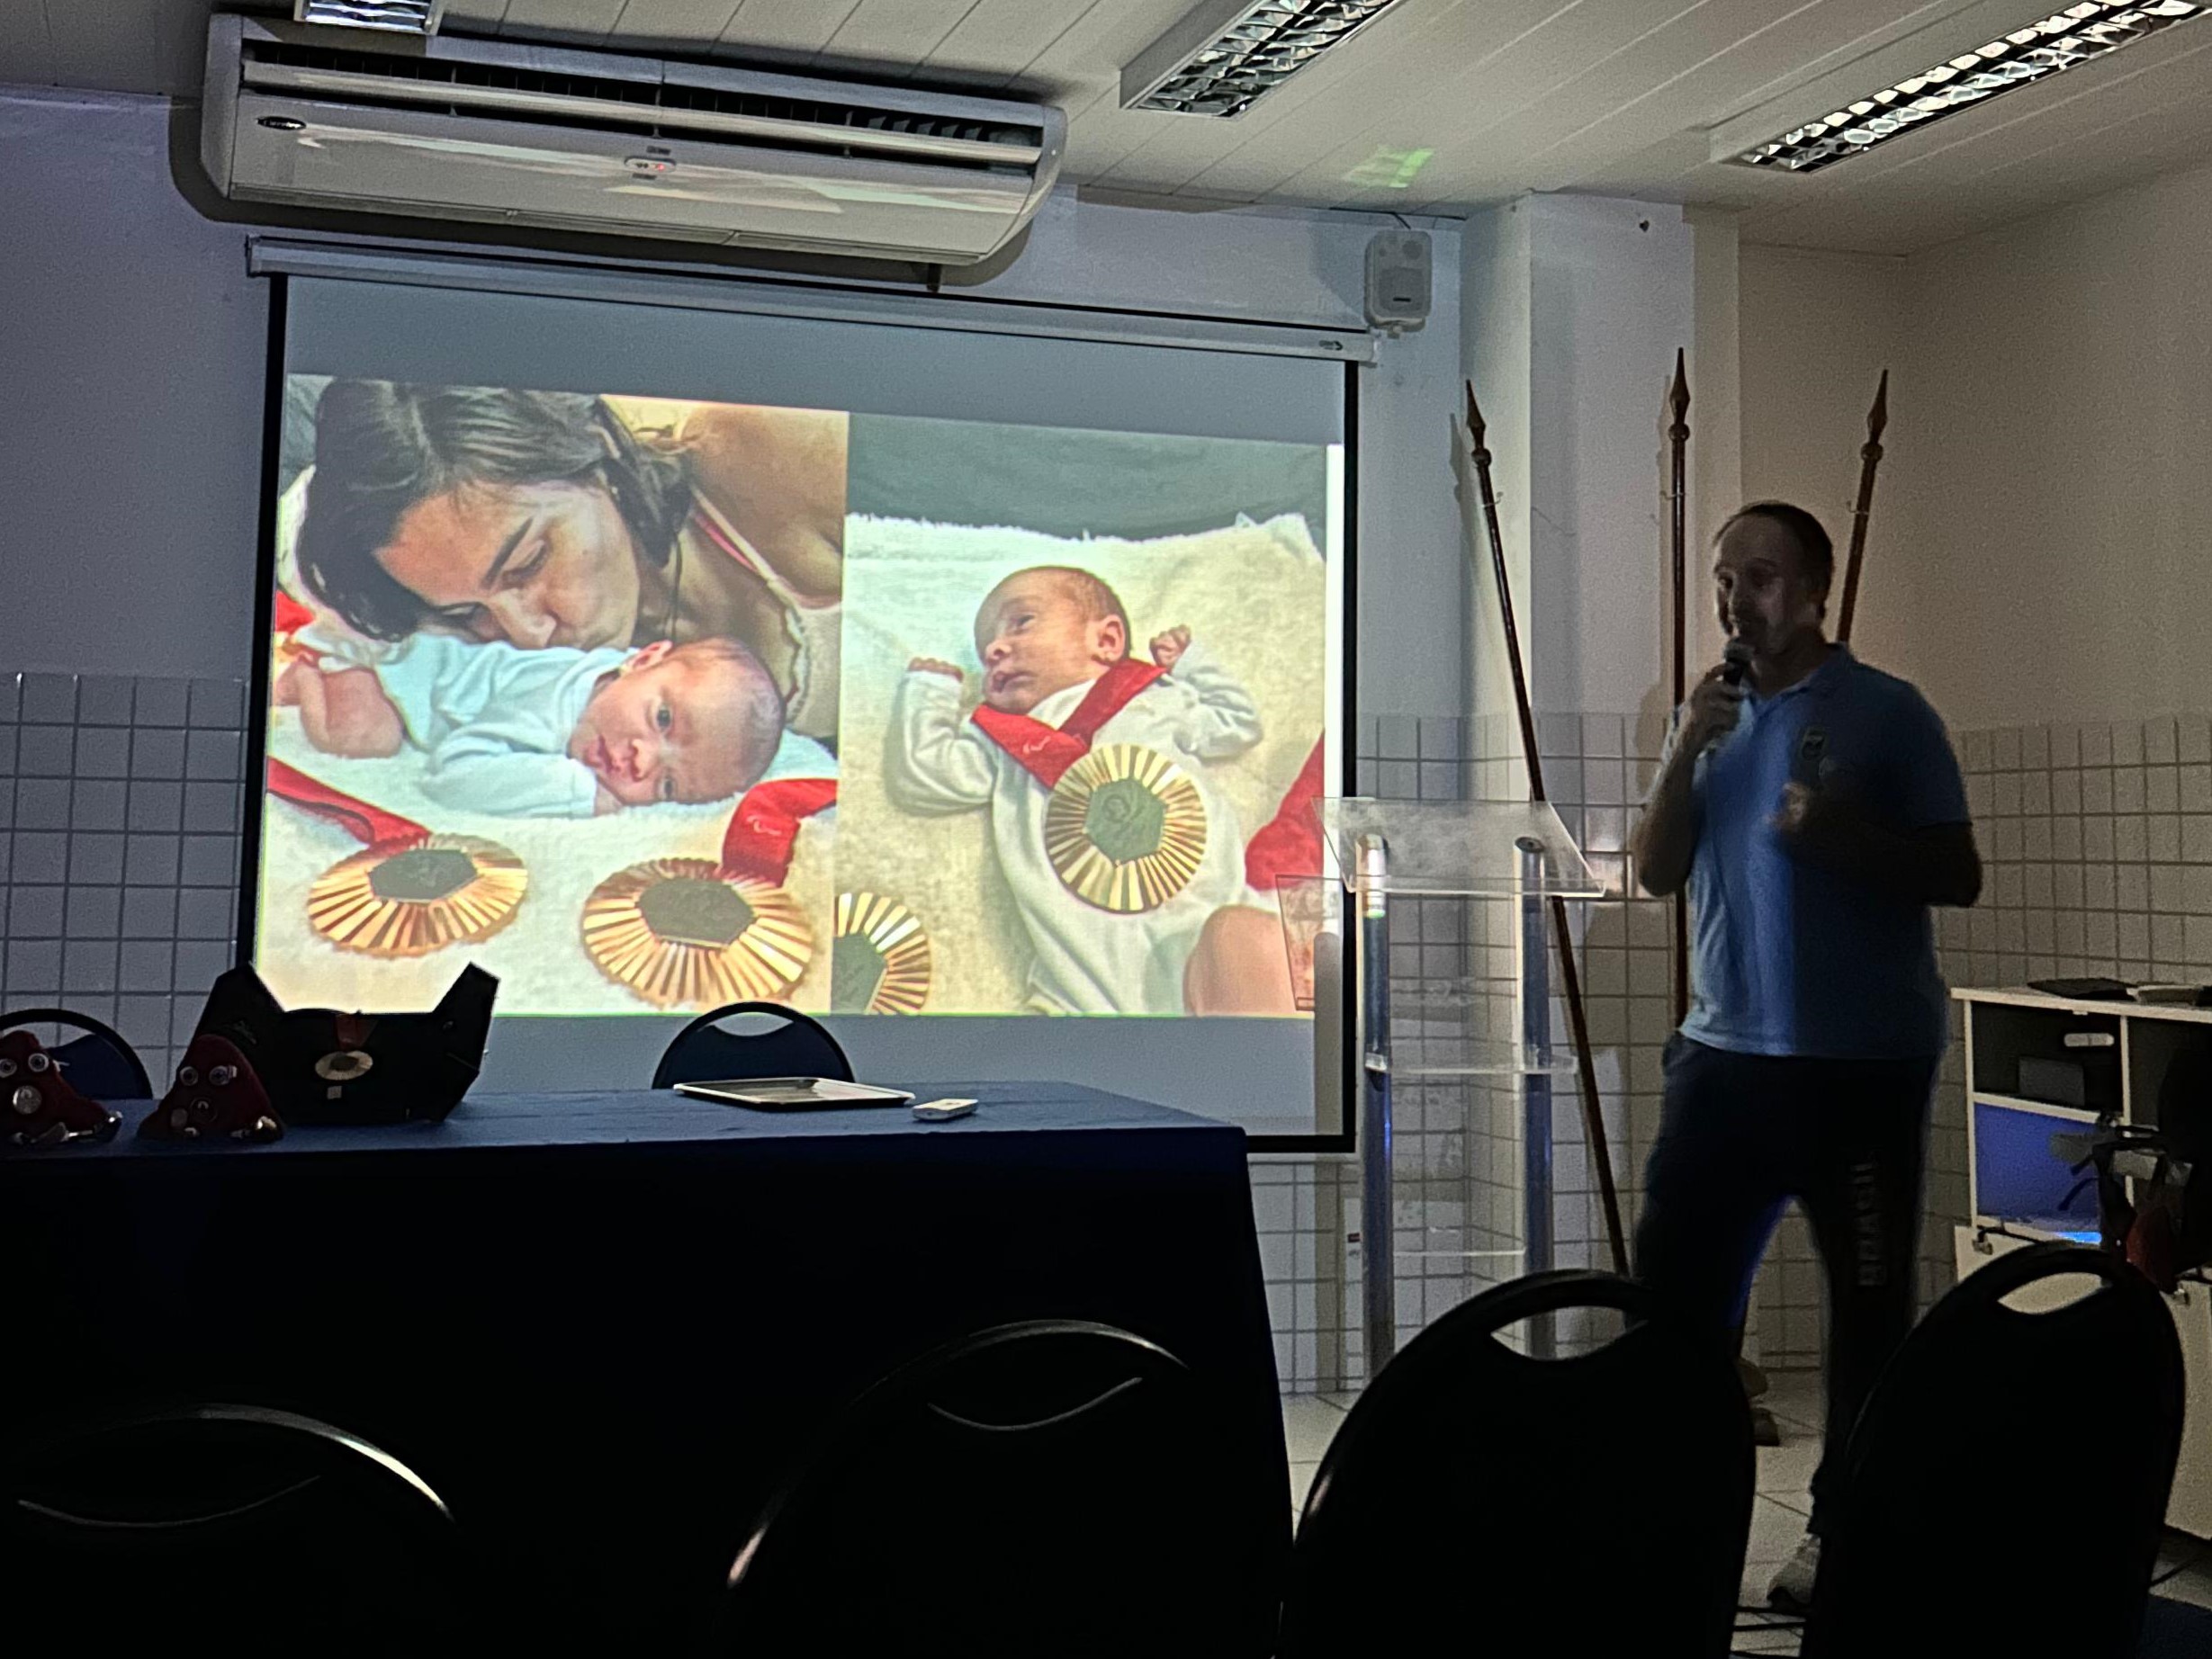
(879, 962)
(1125, 828)
(681, 934)
(408, 899)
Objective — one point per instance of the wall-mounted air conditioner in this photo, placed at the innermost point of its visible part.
(574, 140)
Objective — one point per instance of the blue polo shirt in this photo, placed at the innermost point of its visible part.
(1786, 959)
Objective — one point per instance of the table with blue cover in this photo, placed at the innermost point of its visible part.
(602, 1324)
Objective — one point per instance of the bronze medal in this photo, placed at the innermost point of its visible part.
(880, 963)
(1124, 828)
(681, 934)
(413, 898)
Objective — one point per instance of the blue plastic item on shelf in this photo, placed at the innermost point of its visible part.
(2018, 1177)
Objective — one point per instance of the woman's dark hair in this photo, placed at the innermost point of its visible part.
(1816, 552)
(382, 447)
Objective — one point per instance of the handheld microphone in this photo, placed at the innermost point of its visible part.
(1735, 662)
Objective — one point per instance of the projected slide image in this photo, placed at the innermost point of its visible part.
(1060, 746)
(646, 704)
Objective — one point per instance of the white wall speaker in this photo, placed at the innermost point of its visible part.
(1397, 280)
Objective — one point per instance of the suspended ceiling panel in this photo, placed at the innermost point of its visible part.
(1439, 106)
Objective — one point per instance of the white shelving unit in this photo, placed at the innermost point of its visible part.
(2013, 1197)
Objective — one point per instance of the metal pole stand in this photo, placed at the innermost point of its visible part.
(1378, 1253)
(1535, 993)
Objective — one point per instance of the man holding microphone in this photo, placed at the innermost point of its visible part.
(1813, 809)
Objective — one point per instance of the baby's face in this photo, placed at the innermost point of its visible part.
(1036, 637)
(671, 726)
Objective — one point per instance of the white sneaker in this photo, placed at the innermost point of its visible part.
(1792, 1589)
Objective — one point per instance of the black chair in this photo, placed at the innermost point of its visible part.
(2007, 1481)
(1048, 1488)
(99, 1062)
(1480, 1500)
(702, 1052)
(2174, 1630)
(224, 1529)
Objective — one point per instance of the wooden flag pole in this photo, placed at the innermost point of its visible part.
(1571, 978)
(1869, 457)
(1678, 552)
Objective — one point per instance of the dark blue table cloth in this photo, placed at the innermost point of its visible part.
(601, 1325)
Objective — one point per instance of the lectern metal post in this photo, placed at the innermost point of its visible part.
(1379, 1298)
(1535, 1080)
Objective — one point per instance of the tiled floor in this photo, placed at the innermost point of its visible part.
(1777, 1519)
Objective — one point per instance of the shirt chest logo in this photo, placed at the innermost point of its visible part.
(1813, 763)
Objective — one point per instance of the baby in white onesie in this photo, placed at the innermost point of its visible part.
(1053, 645)
(551, 733)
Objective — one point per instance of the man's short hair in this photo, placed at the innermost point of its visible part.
(1815, 550)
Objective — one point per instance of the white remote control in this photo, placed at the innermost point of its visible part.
(943, 1111)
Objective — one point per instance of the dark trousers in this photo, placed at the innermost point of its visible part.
(1741, 1135)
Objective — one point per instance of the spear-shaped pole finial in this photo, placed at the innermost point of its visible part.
(1869, 460)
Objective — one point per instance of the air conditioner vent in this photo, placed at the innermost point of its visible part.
(853, 115)
(646, 105)
(449, 72)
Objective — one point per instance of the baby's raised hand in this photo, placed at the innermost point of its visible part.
(933, 665)
(1168, 648)
(344, 712)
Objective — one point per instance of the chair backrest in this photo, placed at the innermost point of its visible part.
(2007, 1481)
(1477, 1500)
(98, 1063)
(1053, 1487)
(702, 1052)
(225, 1529)
(2174, 1630)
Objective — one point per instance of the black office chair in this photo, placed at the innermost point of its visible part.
(2008, 1479)
(225, 1529)
(1478, 1501)
(1053, 1488)
(98, 1063)
(702, 1052)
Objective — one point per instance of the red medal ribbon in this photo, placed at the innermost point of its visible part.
(370, 825)
(1046, 753)
(1290, 843)
(758, 843)
(289, 616)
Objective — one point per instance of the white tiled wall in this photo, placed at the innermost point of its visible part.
(120, 802)
(2099, 840)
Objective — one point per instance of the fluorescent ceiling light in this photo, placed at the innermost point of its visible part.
(1226, 56)
(394, 16)
(2078, 34)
